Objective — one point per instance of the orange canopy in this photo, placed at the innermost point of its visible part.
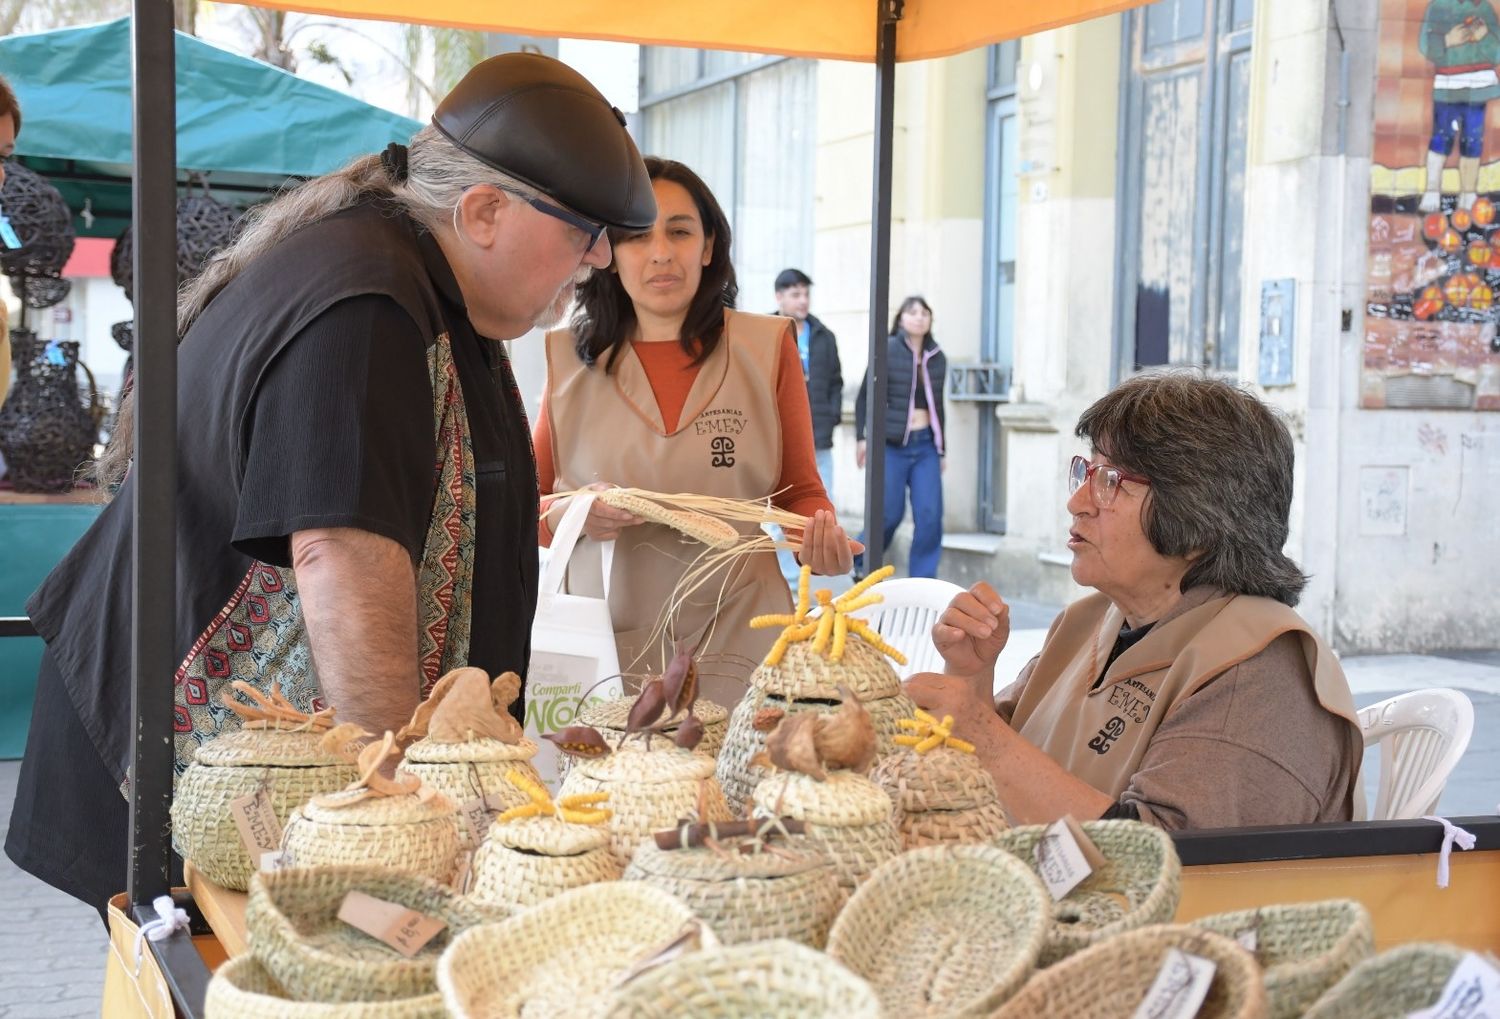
(835, 29)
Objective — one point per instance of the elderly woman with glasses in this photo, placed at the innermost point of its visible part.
(1185, 691)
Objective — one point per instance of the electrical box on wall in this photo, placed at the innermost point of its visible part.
(1278, 322)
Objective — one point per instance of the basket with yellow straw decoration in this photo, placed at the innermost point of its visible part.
(941, 791)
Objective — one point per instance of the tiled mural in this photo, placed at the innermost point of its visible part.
(1431, 337)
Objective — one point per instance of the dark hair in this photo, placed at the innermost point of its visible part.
(788, 278)
(1220, 465)
(907, 305)
(602, 322)
(8, 103)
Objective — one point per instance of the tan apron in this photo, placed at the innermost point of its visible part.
(608, 427)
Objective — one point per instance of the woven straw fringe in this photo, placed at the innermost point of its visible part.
(242, 989)
(740, 897)
(1304, 949)
(203, 829)
(1141, 868)
(1390, 985)
(562, 957)
(945, 931)
(765, 978)
(520, 878)
(376, 830)
(292, 921)
(743, 742)
(848, 819)
(1110, 979)
(471, 780)
(609, 718)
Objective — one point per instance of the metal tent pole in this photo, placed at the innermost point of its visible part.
(888, 14)
(154, 193)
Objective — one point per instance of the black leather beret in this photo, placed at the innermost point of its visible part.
(543, 123)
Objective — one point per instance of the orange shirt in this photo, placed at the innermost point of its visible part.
(671, 373)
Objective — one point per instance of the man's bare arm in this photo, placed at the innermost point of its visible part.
(359, 600)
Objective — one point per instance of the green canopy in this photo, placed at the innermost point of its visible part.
(247, 125)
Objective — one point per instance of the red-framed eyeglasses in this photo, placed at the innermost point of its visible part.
(1104, 479)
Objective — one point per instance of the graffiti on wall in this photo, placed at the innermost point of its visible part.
(1432, 322)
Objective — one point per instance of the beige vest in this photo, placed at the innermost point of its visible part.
(727, 442)
(1101, 735)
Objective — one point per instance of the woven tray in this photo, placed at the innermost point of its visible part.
(243, 989)
(473, 770)
(848, 818)
(942, 797)
(292, 921)
(649, 790)
(400, 833)
(1139, 884)
(765, 978)
(523, 862)
(747, 897)
(562, 957)
(609, 718)
(1390, 985)
(288, 764)
(1111, 978)
(1303, 949)
(743, 741)
(944, 931)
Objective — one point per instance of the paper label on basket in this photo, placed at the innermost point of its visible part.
(1179, 989)
(405, 930)
(1472, 992)
(256, 819)
(1249, 939)
(476, 814)
(1060, 859)
(280, 859)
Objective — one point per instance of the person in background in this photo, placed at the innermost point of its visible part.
(912, 425)
(10, 126)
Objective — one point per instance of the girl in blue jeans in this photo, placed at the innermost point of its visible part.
(912, 424)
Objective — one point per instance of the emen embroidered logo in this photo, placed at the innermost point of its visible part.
(1111, 731)
(1131, 705)
(721, 451)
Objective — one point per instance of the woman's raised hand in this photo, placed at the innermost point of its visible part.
(605, 523)
(972, 631)
(826, 548)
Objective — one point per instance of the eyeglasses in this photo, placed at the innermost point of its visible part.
(1104, 480)
(588, 226)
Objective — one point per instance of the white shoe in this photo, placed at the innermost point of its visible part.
(1431, 202)
(1466, 200)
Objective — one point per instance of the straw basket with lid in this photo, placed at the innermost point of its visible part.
(397, 823)
(469, 743)
(820, 760)
(278, 749)
(812, 658)
(941, 791)
(541, 849)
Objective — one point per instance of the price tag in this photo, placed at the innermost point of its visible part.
(405, 930)
(1472, 992)
(476, 815)
(1060, 858)
(1179, 989)
(279, 860)
(8, 235)
(1249, 939)
(260, 830)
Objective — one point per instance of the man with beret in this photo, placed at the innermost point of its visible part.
(357, 500)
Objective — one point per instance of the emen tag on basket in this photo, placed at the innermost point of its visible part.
(406, 930)
(1472, 992)
(1065, 856)
(255, 817)
(1179, 988)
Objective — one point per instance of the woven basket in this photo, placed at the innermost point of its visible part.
(1391, 985)
(649, 790)
(243, 989)
(1139, 884)
(400, 833)
(944, 931)
(562, 957)
(288, 764)
(1304, 949)
(1111, 978)
(609, 718)
(764, 978)
(747, 896)
(942, 797)
(848, 818)
(522, 862)
(473, 770)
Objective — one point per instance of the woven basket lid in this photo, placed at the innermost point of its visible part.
(549, 836)
(703, 864)
(941, 779)
(375, 811)
(635, 764)
(844, 800)
(478, 751)
(611, 714)
(803, 673)
(285, 748)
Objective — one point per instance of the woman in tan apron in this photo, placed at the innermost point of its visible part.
(660, 385)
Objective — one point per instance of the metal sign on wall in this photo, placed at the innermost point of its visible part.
(1278, 317)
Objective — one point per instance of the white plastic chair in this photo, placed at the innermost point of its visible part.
(905, 618)
(1422, 737)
